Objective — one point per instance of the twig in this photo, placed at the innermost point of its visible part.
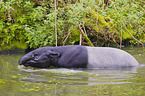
(67, 37)
(106, 38)
(85, 36)
(80, 38)
(121, 37)
(84, 29)
(138, 5)
(75, 3)
(103, 5)
(133, 36)
(126, 28)
(55, 23)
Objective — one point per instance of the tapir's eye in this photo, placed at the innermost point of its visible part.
(36, 57)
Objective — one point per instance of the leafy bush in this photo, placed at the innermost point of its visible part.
(100, 23)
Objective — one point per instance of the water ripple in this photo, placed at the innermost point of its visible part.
(65, 76)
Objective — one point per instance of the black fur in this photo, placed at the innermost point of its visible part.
(63, 56)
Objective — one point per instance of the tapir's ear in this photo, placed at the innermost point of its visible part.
(52, 54)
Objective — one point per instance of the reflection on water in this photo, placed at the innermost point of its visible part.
(21, 81)
(77, 76)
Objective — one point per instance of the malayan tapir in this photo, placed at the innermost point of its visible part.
(75, 56)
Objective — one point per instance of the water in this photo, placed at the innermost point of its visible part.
(21, 81)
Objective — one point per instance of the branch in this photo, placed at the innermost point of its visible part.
(55, 23)
(103, 5)
(138, 5)
(84, 29)
(86, 37)
(80, 38)
(121, 37)
(66, 37)
(126, 28)
(133, 36)
(75, 3)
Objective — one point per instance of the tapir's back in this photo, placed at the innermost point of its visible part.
(106, 57)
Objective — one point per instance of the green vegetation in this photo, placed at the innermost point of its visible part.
(31, 23)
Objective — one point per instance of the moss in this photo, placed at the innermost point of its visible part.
(14, 45)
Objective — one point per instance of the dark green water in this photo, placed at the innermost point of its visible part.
(20, 81)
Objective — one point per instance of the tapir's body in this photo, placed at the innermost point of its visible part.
(78, 57)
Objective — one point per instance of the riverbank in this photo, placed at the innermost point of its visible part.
(24, 49)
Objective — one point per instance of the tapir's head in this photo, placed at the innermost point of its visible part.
(41, 58)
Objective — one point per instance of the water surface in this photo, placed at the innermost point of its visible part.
(21, 81)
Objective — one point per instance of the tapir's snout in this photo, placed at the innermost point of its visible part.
(20, 62)
(24, 59)
(36, 59)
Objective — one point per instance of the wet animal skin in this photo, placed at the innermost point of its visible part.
(75, 56)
